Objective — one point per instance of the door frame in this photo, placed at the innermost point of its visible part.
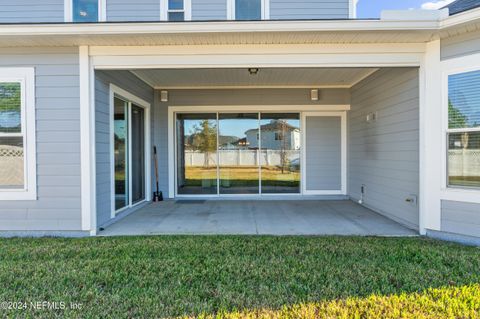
(324, 110)
(130, 98)
(343, 119)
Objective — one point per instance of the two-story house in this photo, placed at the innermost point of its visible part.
(387, 109)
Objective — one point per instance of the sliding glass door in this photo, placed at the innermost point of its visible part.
(280, 155)
(238, 153)
(121, 153)
(138, 153)
(197, 154)
(129, 153)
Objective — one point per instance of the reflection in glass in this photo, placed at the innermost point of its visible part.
(280, 154)
(464, 159)
(138, 154)
(10, 108)
(248, 9)
(121, 153)
(239, 164)
(197, 154)
(85, 10)
(464, 100)
(11, 162)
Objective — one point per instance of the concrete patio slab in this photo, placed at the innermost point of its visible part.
(256, 218)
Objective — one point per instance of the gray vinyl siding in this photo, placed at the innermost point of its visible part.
(461, 45)
(58, 207)
(228, 98)
(309, 9)
(209, 10)
(384, 155)
(461, 218)
(129, 82)
(323, 152)
(18, 11)
(128, 10)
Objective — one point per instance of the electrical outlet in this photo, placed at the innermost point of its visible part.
(412, 200)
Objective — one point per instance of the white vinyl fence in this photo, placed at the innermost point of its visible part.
(241, 157)
(464, 163)
(11, 166)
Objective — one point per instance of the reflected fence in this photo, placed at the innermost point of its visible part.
(11, 165)
(464, 163)
(243, 158)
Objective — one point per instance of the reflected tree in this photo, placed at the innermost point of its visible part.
(205, 139)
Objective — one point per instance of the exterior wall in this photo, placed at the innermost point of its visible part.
(384, 155)
(209, 9)
(323, 151)
(31, 11)
(26, 11)
(462, 45)
(130, 83)
(229, 98)
(128, 10)
(58, 207)
(461, 218)
(308, 9)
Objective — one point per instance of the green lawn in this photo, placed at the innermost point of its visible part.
(237, 277)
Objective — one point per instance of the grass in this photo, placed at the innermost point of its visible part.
(241, 176)
(240, 277)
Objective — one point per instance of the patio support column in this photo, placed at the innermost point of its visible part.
(87, 141)
(430, 138)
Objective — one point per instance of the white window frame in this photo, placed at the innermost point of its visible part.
(451, 67)
(128, 97)
(165, 10)
(102, 10)
(26, 78)
(265, 10)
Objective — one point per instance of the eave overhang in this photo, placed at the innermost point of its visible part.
(237, 32)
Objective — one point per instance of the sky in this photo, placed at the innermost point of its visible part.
(372, 8)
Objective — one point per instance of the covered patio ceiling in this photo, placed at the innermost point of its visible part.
(245, 78)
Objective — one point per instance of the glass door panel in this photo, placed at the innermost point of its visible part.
(238, 153)
(197, 154)
(280, 153)
(121, 153)
(138, 153)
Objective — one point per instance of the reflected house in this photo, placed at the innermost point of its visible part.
(278, 134)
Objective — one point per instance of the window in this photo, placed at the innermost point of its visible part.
(463, 134)
(278, 136)
(175, 10)
(248, 9)
(17, 134)
(85, 10)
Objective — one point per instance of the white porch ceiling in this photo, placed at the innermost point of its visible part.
(241, 78)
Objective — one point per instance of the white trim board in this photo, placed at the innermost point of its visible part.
(131, 99)
(87, 141)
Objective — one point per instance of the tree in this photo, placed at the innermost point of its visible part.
(284, 146)
(456, 119)
(205, 139)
